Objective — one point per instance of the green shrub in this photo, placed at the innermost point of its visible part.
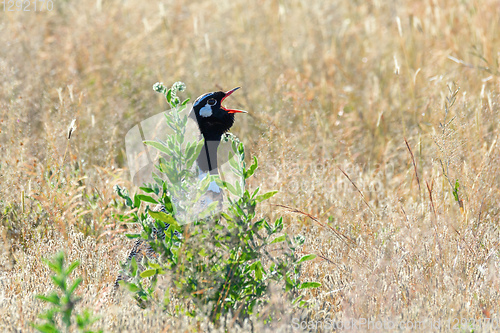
(63, 302)
(223, 262)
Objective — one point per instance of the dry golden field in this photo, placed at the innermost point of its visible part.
(351, 116)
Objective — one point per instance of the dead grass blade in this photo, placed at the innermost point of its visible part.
(414, 163)
(359, 191)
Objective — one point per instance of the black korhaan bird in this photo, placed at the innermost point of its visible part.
(213, 121)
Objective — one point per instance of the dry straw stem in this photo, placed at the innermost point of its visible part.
(359, 191)
(414, 163)
(340, 236)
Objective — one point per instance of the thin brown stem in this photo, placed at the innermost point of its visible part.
(414, 163)
(359, 191)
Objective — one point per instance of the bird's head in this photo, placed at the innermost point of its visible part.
(213, 118)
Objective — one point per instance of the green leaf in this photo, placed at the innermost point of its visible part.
(234, 164)
(190, 150)
(198, 148)
(255, 192)
(147, 189)
(71, 267)
(268, 227)
(241, 150)
(288, 283)
(75, 285)
(306, 258)
(52, 298)
(137, 201)
(164, 217)
(173, 177)
(266, 196)
(306, 285)
(132, 236)
(259, 224)
(455, 191)
(53, 266)
(123, 194)
(148, 273)
(176, 101)
(85, 319)
(279, 239)
(157, 179)
(251, 170)
(299, 240)
(180, 139)
(230, 188)
(161, 147)
(167, 202)
(298, 298)
(133, 266)
(278, 225)
(203, 252)
(146, 198)
(168, 96)
(258, 270)
(46, 328)
(132, 287)
(49, 314)
(233, 146)
(58, 281)
(239, 189)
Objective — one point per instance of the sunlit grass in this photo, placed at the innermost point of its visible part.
(332, 89)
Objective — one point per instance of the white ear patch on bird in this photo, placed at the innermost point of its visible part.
(206, 111)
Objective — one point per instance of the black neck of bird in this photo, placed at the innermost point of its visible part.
(207, 160)
(212, 130)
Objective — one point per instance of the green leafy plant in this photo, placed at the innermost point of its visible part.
(64, 301)
(223, 263)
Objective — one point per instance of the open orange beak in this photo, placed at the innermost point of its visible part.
(228, 93)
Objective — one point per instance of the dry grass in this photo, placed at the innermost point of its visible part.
(330, 88)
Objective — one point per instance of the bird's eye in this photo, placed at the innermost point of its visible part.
(212, 101)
